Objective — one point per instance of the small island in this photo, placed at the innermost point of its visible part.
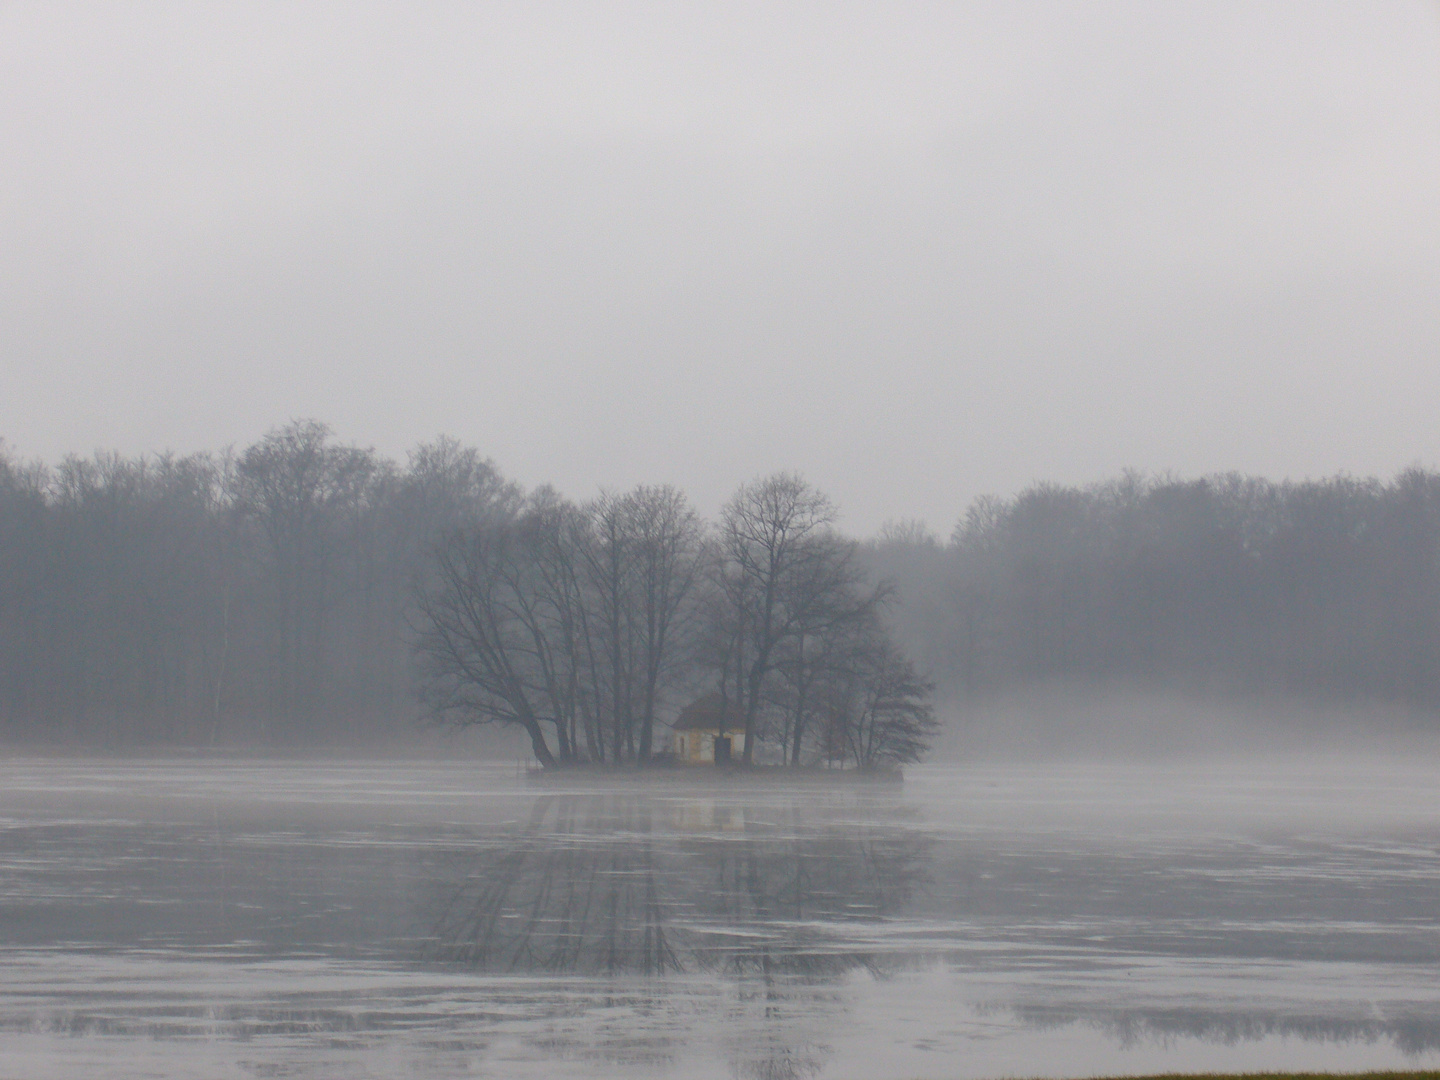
(629, 634)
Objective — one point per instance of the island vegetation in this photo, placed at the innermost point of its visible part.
(584, 624)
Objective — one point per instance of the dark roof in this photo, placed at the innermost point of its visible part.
(710, 711)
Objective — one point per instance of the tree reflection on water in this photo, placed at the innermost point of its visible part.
(772, 899)
(632, 884)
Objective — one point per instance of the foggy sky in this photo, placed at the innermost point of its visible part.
(916, 252)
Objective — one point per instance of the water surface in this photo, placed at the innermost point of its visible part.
(451, 919)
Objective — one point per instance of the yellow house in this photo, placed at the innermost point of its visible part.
(708, 730)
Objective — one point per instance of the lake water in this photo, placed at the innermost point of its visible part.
(224, 919)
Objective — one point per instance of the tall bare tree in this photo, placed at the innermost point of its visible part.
(476, 652)
(772, 532)
(668, 559)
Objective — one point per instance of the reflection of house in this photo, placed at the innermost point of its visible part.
(708, 730)
(703, 815)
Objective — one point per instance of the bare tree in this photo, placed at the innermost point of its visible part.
(607, 553)
(878, 704)
(500, 635)
(667, 539)
(475, 649)
(771, 530)
(827, 603)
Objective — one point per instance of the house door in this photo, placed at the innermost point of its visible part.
(722, 749)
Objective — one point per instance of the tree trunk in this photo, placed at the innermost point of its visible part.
(537, 742)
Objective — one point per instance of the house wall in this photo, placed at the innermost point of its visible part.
(697, 746)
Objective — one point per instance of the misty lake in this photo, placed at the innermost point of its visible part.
(452, 919)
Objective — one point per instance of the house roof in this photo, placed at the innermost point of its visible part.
(709, 712)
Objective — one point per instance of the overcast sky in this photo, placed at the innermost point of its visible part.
(917, 252)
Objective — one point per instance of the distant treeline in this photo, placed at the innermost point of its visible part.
(1227, 585)
(257, 596)
(278, 595)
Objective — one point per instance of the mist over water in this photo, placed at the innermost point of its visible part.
(379, 919)
(1059, 722)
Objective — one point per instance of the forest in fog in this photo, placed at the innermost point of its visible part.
(1324, 591)
(294, 593)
